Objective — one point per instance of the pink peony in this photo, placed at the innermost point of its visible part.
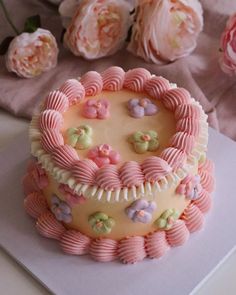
(31, 54)
(228, 47)
(98, 28)
(166, 30)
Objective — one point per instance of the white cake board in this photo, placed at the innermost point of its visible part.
(180, 271)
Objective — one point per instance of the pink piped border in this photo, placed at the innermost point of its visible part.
(113, 79)
(130, 249)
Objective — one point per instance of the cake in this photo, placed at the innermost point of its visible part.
(120, 168)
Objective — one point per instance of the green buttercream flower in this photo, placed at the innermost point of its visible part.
(101, 223)
(167, 219)
(81, 137)
(144, 141)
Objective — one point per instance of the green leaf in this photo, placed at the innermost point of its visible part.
(32, 23)
(5, 44)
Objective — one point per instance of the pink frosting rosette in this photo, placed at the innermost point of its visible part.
(31, 54)
(228, 47)
(166, 30)
(98, 28)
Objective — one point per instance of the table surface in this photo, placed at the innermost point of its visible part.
(15, 280)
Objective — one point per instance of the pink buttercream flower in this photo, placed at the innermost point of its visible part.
(98, 28)
(31, 54)
(228, 47)
(190, 186)
(166, 30)
(103, 154)
(70, 195)
(94, 108)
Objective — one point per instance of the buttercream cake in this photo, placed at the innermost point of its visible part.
(120, 168)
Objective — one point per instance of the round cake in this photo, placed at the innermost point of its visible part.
(120, 168)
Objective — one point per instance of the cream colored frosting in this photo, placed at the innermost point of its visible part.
(120, 125)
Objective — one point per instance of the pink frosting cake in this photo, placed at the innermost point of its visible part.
(120, 168)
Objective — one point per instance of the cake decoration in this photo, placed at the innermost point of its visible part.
(167, 219)
(141, 107)
(65, 156)
(56, 100)
(107, 178)
(50, 119)
(70, 196)
(104, 154)
(175, 97)
(135, 79)
(131, 174)
(101, 223)
(61, 210)
(92, 82)
(35, 204)
(178, 234)
(190, 187)
(156, 244)
(96, 109)
(183, 141)
(81, 137)
(156, 87)
(51, 139)
(39, 176)
(113, 78)
(84, 171)
(103, 250)
(141, 211)
(74, 91)
(155, 168)
(132, 249)
(74, 242)
(144, 141)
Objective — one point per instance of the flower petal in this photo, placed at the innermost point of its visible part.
(72, 140)
(136, 137)
(137, 112)
(140, 147)
(114, 157)
(84, 142)
(132, 103)
(151, 109)
(153, 145)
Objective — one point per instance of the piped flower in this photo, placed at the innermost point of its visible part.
(96, 109)
(167, 219)
(61, 209)
(70, 195)
(144, 141)
(139, 107)
(190, 186)
(81, 137)
(101, 223)
(141, 211)
(103, 154)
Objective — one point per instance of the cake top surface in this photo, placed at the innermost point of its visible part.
(118, 133)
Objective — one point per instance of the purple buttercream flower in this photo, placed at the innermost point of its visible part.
(141, 211)
(61, 210)
(140, 107)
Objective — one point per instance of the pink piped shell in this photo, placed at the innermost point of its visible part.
(183, 141)
(208, 166)
(50, 119)
(204, 202)
(74, 91)
(175, 97)
(188, 125)
(35, 204)
(155, 168)
(207, 181)
(178, 234)
(84, 171)
(92, 82)
(113, 78)
(107, 177)
(49, 227)
(135, 79)
(103, 250)
(65, 156)
(156, 244)
(51, 139)
(193, 218)
(75, 243)
(187, 111)
(156, 87)
(29, 185)
(56, 100)
(174, 157)
(131, 249)
(131, 174)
